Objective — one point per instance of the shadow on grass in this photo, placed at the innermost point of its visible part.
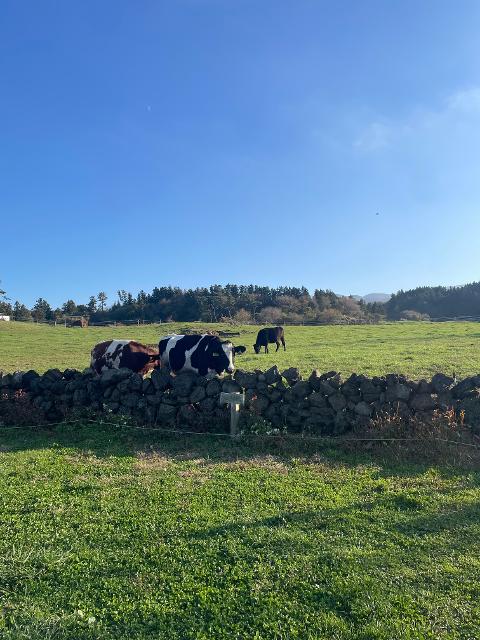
(101, 440)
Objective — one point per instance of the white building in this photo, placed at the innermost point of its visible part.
(6, 318)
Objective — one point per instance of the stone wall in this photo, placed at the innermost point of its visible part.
(323, 404)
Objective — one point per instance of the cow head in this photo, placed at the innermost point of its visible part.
(256, 348)
(226, 359)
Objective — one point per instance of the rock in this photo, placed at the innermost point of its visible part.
(6, 381)
(150, 414)
(161, 379)
(114, 376)
(272, 375)
(79, 397)
(274, 395)
(314, 379)
(230, 386)
(69, 374)
(441, 383)
(462, 389)
(187, 414)
(397, 391)
(292, 375)
(329, 375)
(207, 405)
(337, 402)
(155, 399)
(246, 379)
(183, 383)
(213, 388)
(111, 406)
(363, 409)
(53, 375)
(197, 394)
(166, 413)
(302, 389)
(259, 403)
(124, 386)
(340, 424)
(147, 386)
(326, 388)
(369, 391)
(317, 400)
(135, 382)
(423, 402)
(424, 387)
(351, 391)
(16, 381)
(130, 399)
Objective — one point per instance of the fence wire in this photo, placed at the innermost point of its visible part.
(260, 436)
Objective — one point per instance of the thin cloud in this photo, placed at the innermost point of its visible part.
(381, 134)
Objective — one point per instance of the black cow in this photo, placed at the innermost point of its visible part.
(203, 354)
(270, 335)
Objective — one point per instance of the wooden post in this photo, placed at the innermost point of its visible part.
(235, 400)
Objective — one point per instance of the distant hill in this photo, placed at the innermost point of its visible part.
(374, 297)
(377, 297)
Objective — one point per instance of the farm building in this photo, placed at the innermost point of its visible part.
(5, 318)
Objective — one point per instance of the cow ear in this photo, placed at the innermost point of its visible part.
(240, 349)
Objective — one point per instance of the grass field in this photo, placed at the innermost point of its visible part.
(109, 535)
(415, 349)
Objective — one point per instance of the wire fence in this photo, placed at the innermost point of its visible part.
(279, 437)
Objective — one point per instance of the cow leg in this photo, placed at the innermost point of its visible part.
(278, 346)
(266, 348)
(283, 342)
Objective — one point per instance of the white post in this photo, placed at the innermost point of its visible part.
(235, 400)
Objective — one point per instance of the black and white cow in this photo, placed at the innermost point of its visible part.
(203, 354)
(116, 354)
(270, 335)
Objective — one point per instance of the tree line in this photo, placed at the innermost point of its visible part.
(240, 304)
(243, 304)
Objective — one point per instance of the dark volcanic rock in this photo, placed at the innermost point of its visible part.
(292, 375)
(197, 395)
(272, 375)
(302, 389)
(213, 387)
(161, 379)
(423, 402)
(183, 383)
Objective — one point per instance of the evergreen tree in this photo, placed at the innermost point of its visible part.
(20, 312)
(92, 305)
(102, 299)
(42, 311)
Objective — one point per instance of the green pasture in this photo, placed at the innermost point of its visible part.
(109, 535)
(415, 349)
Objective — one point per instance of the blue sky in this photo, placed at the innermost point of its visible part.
(191, 142)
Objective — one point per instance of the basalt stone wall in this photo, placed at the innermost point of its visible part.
(322, 404)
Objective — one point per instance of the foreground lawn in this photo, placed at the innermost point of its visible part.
(415, 349)
(105, 534)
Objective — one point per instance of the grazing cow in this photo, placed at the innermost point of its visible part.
(203, 354)
(268, 336)
(115, 354)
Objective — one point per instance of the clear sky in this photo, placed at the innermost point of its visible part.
(192, 142)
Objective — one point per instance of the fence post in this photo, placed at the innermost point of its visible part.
(235, 400)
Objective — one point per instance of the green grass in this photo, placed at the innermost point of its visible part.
(109, 535)
(414, 349)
